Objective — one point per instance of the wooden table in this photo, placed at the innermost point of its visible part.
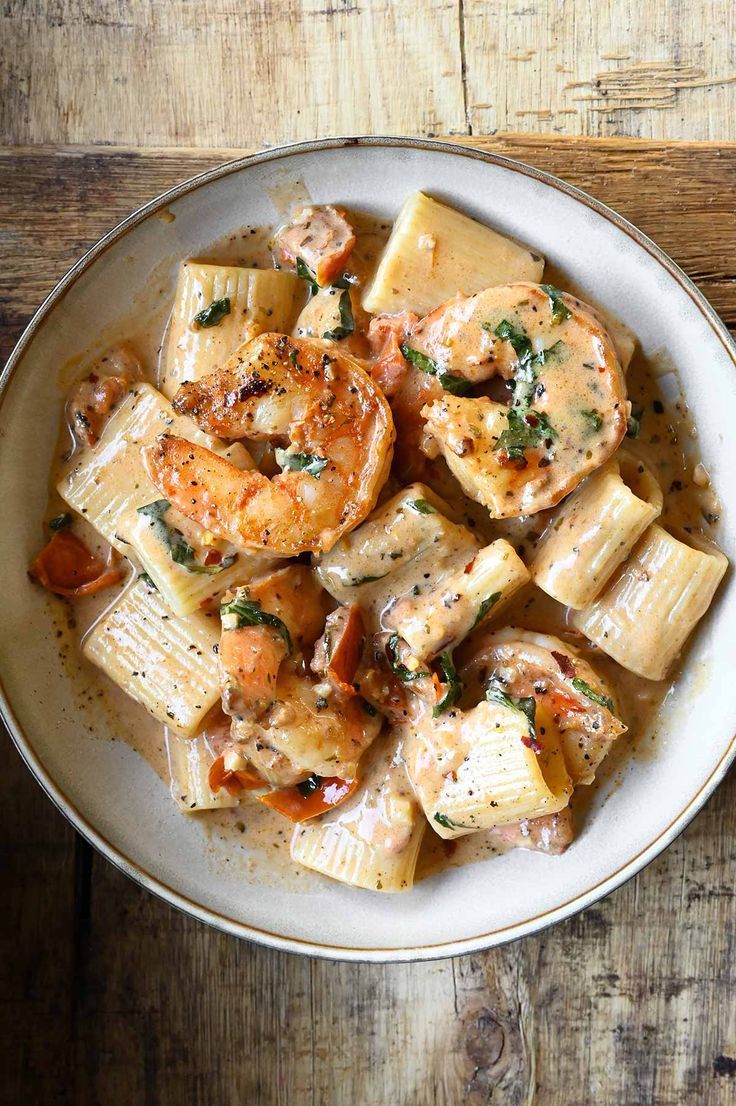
(109, 996)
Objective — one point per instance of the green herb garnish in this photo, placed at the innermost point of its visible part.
(448, 675)
(303, 271)
(589, 693)
(366, 580)
(180, 551)
(446, 822)
(301, 462)
(520, 342)
(423, 506)
(525, 705)
(594, 418)
(397, 667)
(484, 608)
(368, 708)
(148, 581)
(309, 786)
(213, 314)
(453, 384)
(560, 310)
(347, 322)
(633, 423)
(521, 434)
(60, 522)
(241, 612)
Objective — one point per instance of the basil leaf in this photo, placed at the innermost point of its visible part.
(484, 608)
(519, 341)
(347, 322)
(560, 310)
(589, 693)
(633, 423)
(241, 612)
(453, 384)
(448, 676)
(60, 522)
(180, 551)
(397, 667)
(521, 434)
(594, 418)
(526, 705)
(448, 822)
(301, 462)
(366, 580)
(213, 314)
(422, 506)
(212, 570)
(309, 786)
(303, 271)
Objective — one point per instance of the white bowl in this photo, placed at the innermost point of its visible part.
(110, 794)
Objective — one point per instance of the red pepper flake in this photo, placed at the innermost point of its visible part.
(565, 665)
(213, 557)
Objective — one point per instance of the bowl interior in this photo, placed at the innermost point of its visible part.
(111, 792)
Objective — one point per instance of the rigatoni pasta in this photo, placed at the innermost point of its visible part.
(648, 611)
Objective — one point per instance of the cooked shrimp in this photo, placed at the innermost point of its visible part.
(550, 834)
(95, 397)
(386, 335)
(308, 730)
(320, 237)
(262, 624)
(524, 663)
(568, 407)
(282, 389)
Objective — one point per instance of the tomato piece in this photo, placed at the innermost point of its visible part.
(233, 782)
(329, 793)
(346, 652)
(66, 567)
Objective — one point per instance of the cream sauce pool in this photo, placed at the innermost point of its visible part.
(253, 835)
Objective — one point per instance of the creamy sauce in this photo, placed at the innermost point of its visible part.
(253, 835)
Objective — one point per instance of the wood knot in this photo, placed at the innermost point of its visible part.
(485, 1038)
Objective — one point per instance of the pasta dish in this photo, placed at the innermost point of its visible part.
(394, 541)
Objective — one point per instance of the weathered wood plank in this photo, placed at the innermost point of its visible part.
(112, 997)
(149, 72)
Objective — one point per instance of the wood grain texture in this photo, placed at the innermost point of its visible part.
(110, 997)
(251, 72)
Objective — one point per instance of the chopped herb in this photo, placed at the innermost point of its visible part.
(294, 358)
(241, 612)
(180, 551)
(526, 375)
(347, 322)
(397, 667)
(423, 506)
(589, 693)
(447, 822)
(365, 580)
(520, 342)
(633, 423)
(301, 462)
(60, 522)
(309, 786)
(345, 281)
(147, 580)
(453, 384)
(484, 608)
(448, 675)
(522, 433)
(368, 708)
(526, 705)
(303, 271)
(594, 418)
(560, 310)
(213, 314)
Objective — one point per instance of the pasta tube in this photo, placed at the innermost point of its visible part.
(594, 530)
(434, 252)
(190, 760)
(373, 839)
(442, 616)
(652, 605)
(472, 770)
(258, 300)
(167, 664)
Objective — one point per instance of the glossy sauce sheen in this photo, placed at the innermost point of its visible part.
(257, 837)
